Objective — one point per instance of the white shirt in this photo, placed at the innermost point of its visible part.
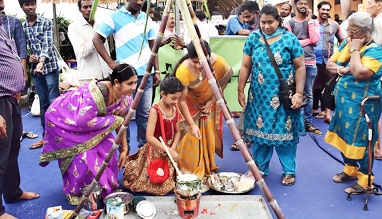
(90, 64)
(377, 32)
(206, 30)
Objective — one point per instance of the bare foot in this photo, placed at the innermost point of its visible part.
(7, 216)
(29, 196)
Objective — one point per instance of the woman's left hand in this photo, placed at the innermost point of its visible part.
(296, 101)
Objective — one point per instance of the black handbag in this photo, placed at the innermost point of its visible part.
(286, 90)
(327, 94)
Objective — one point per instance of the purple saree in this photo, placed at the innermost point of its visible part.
(79, 135)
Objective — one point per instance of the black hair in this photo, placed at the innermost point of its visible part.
(290, 6)
(321, 3)
(269, 9)
(251, 6)
(144, 6)
(22, 2)
(352, 12)
(200, 14)
(171, 85)
(191, 53)
(122, 72)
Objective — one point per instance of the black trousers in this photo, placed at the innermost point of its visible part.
(9, 151)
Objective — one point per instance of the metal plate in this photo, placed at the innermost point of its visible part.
(231, 186)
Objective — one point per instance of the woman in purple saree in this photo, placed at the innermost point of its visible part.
(78, 131)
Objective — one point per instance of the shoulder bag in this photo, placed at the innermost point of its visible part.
(286, 90)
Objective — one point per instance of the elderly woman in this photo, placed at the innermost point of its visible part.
(268, 123)
(360, 77)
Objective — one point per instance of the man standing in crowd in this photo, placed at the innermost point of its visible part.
(127, 25)
(323, 50)
(90, 64)
(374, 7)
(247, 20)
(307, 32)
(285, 12)
(43, 60)
(11, 82)
(14, 30)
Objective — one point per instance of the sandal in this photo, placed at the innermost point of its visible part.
(343, 177)
(234, 147)
(312, 129)
(320, 115)
(288, 180)
(36, 145)
(356, 189)
(29, 135)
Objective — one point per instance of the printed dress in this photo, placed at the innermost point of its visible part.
(267, 122)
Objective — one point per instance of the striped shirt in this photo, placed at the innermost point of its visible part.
(11, 70)
(128, 36)
(40, 41)
(14, 29)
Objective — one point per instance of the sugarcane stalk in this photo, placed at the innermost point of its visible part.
(95, 181)
(154, 54)
(229, 120)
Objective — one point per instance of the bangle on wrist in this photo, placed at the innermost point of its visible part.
(191, 126)
(298, 94)
(240, 93)
(339, 70)
(157, 71)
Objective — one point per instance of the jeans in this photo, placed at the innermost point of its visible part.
(9, 151)
(47, 90)
(142, 112)
(311, 73)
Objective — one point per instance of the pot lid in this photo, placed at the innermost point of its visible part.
(146, 209)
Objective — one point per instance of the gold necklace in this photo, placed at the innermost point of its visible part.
(200, 74)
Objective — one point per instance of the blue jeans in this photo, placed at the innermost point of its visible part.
(311, 73)
(142, 112)
(47, 90)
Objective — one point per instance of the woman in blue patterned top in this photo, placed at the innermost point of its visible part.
(348, 130)
(268, 123)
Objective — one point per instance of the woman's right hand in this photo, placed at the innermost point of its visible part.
(195, 131)
(241, 99)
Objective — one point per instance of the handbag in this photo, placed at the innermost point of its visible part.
(327, 94)
(286, 90)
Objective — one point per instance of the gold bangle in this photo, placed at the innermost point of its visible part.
(298, 94)
(157, 71)
(240, 93)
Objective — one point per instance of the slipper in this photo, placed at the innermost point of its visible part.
(234, 147)
(29, 135)
(343, 177)
(356, 189)
(312, 129)
(288, 180)
(320, 116)
(36, 145)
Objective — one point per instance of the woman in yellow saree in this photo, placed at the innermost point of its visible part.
(201, 124)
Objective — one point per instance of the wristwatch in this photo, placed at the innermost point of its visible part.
(352, 50)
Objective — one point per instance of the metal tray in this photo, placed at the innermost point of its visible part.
(229, 175)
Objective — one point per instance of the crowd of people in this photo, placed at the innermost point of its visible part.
(79, 126)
